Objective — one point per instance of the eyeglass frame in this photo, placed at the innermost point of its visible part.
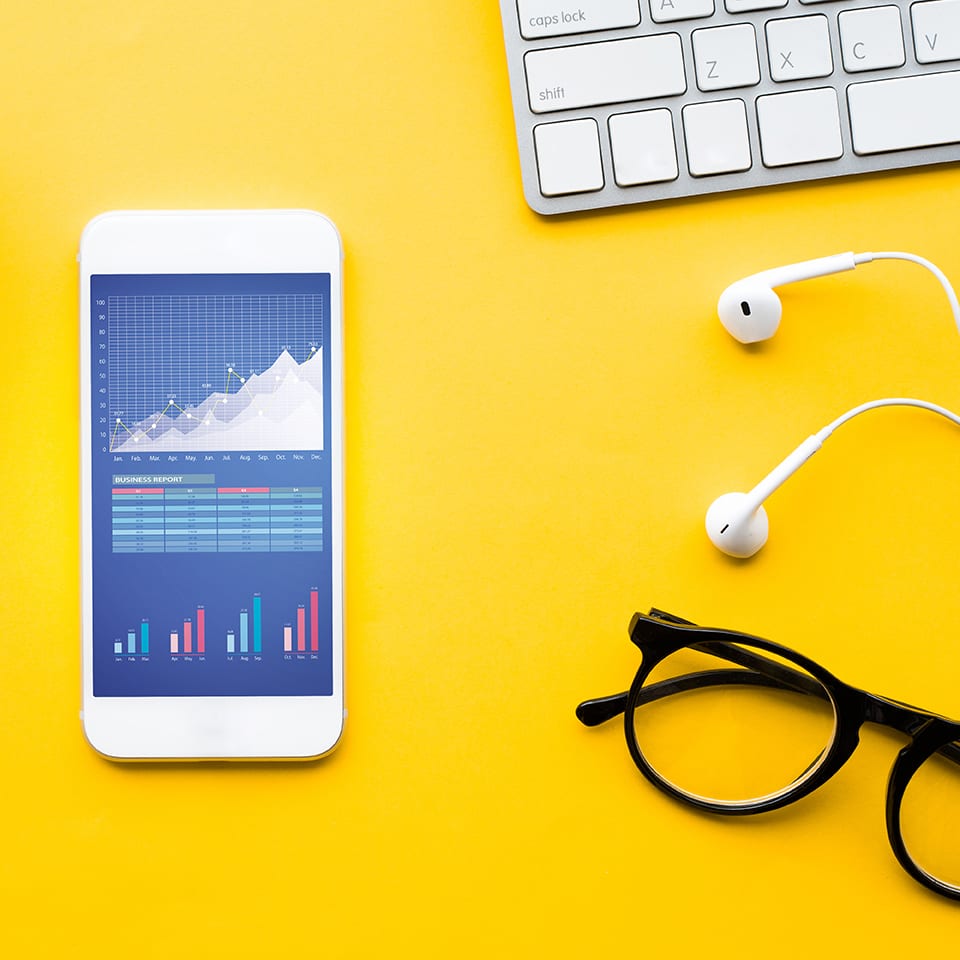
(660, 634)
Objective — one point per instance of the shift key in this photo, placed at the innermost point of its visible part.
(589, 74)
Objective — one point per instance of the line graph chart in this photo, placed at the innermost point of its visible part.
(214, 371)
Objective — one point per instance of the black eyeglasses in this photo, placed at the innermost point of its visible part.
(734, 724)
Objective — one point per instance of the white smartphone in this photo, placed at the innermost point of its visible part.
(212, 484)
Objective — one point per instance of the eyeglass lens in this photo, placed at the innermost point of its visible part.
(726, 732)
(928, 819)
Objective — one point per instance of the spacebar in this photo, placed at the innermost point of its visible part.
(905, 113)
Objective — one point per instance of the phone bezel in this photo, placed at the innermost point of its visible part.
(195, 242)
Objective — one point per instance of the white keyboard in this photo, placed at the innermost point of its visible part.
(626, 101)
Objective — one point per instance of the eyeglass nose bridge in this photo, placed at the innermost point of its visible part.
(894, 714)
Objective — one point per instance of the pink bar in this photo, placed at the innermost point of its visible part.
(314, 621)
(288, 639)
(138, 490)
(187, 636)
(174, 642)
(243, 489)
(301, 629)
(200, 637)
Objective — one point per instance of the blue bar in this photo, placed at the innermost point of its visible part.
(145, 637)
(118, 646)
(131, 642)
(257, 633)
(243, 631)
(231, 645)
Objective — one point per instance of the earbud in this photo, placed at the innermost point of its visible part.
(749, 308)
(737, 523)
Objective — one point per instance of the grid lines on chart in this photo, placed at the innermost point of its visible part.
(189, 346)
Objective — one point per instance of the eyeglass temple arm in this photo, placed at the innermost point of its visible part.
(880, 710)
(592, 713)
(787, 676)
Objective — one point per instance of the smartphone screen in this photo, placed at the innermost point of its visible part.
(210, 484)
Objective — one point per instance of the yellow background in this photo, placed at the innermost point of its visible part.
(538, 413)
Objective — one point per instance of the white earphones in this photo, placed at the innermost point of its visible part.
(751, 310)
(737, 522)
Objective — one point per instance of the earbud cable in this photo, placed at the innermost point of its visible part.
(913, 258)
(822, 435)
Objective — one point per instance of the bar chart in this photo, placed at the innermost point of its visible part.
(129, 647)
(243, 634)
(190, 638)
(302, 635)
(248, 637)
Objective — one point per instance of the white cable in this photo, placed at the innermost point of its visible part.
(913, 258)
(822, 435)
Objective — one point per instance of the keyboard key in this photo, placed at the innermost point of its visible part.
(568, 157)
(905, 112)
(799, 48)
(716, 137)
(799, 127)
(936, 30)
(744, 6)
(871, 39)
(643, 147)
(726, 57)
(583, 75)
(554, 18)
(666, 11)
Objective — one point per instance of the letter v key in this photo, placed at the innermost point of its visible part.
(936, 30)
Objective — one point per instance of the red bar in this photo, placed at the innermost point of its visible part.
(301, 622)
(187, 636)
(138, 490)
(243, 489)
(314, 621)
(200, 638)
